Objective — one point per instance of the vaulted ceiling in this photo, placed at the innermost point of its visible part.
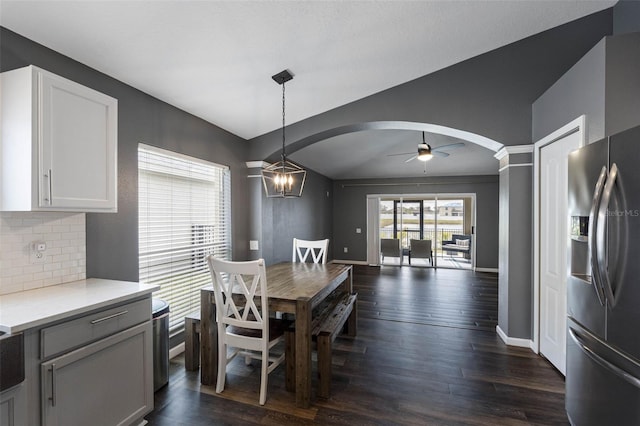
(215, 60)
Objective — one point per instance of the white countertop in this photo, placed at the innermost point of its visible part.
(32, 308)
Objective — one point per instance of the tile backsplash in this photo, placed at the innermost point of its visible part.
(63, 260)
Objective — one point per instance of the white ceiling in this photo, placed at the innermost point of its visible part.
(366, 154)
(215, 59)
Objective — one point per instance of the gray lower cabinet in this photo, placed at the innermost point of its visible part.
(108, 382)
(91, 369)
(13, 406)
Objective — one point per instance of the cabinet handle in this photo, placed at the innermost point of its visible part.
(50, 199)
(96, 321)
(53, 385)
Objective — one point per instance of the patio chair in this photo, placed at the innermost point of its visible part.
(390, 247)
(421, 249)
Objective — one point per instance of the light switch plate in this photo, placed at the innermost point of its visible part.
(253, 245)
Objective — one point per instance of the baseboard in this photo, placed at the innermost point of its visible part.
(364, 262)
(350, 262)
(176, 350)
(513, 341)
(493, 270)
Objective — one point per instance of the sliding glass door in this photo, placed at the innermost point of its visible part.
(408, 221)
(445, 220)
(430, 221)
(454, 242)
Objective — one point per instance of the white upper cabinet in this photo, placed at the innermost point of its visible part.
(58, 144)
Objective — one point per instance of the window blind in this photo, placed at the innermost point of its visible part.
(184, 215)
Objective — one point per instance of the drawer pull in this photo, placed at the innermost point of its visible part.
(99, 320)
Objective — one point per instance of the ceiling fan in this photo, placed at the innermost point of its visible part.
(426, 153)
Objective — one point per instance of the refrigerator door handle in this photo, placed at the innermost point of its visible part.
(593, 226)
(601, 235)
(603, 362)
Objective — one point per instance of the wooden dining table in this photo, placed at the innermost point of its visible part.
(294, 288)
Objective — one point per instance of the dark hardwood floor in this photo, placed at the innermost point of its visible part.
(426, 354)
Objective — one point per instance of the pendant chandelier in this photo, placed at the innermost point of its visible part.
(284, 179)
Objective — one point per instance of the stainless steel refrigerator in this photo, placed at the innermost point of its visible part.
(603, 339)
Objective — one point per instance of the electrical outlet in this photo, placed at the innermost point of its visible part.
(253, 245)
(346, 249)
(37, 249)
(358, 230)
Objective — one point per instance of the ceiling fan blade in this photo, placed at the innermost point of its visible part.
(440, 153)
(412, 158)
(450, 146)
(401, 153)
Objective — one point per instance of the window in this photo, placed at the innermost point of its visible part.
(184, 215)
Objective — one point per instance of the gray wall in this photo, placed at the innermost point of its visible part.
(622, 90)
(307, 218)
(350, 211)
(626, 17)
(604, 85)
(503, 252)
(515, 290)
(580, 91)
(112, 238)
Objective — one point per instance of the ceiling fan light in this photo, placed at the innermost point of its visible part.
(424, 152)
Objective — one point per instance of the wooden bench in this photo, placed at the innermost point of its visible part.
(335, 316)
(192, 341)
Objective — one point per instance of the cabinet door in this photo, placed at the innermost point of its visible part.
(77, 145)
(106, 383)
(13, 406)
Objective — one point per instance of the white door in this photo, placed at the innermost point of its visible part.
(553, 247)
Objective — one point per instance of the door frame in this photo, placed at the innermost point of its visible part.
(577, 125)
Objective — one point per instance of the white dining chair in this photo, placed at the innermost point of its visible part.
(242, 315)
(318, 250)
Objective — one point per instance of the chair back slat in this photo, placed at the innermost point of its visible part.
(240, 290)
(303, 248)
